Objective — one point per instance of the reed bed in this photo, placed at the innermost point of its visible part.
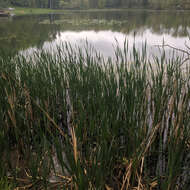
(75, 120)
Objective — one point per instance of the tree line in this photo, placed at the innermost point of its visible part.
(52, 4)
(156, 4)
(84, 4)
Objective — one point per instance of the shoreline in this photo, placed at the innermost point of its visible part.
(35, 11)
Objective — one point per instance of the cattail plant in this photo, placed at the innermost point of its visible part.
(73, 119)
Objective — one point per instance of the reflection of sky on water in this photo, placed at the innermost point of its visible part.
(105, 41)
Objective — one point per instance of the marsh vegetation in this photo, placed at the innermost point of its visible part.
(75, 120)
(85, 104)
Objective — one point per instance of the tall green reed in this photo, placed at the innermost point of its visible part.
(94, 123)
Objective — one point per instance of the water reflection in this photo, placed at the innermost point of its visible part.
(106, 41)
(100, 28)
(25, 32)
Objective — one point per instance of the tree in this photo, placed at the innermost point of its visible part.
(4, 3)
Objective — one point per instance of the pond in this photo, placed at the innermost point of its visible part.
(101, 29)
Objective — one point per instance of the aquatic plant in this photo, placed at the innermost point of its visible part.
(75, 120)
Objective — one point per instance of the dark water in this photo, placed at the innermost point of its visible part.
(102, 29)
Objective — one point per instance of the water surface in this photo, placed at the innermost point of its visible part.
(102, 29)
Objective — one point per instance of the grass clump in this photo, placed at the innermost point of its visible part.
(74, 120)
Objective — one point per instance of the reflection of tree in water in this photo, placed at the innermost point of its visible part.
(24, 32)
(29, 31)
(175, 24)
(160, 22)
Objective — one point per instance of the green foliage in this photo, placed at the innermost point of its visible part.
(108, 122)
(4, 3)
(156, 4)
(5, 185)
(84, 4)
(52, 4)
